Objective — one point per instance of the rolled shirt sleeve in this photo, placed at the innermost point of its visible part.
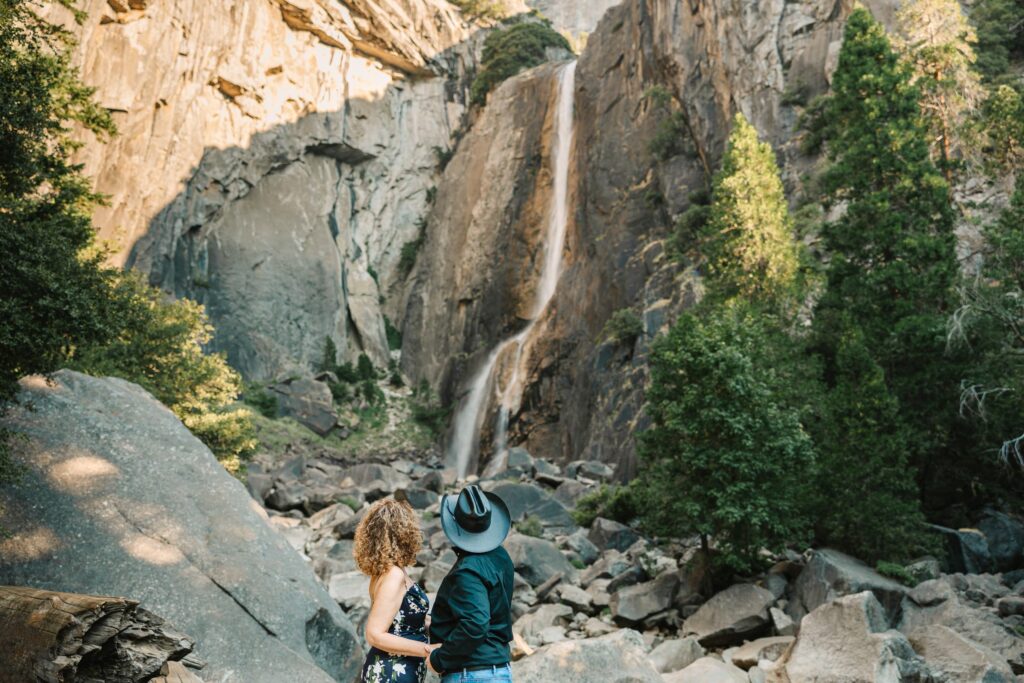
(469, 600)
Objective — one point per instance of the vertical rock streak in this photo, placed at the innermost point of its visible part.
(469, 419)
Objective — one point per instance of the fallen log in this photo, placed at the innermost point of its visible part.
(51, 637)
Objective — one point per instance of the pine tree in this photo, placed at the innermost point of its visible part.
(725, 456)
(938, 40)
(892, 260)
(751, 251)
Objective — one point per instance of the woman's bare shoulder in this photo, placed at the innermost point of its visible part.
(388, 583)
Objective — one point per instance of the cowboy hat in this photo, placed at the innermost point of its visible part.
(475, 521)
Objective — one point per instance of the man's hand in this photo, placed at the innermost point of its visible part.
(430, 665)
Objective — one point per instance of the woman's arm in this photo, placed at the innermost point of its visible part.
(387, 597)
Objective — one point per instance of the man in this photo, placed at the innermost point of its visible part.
(472, 615)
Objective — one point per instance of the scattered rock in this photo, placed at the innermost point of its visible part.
(782, 622)
(831, 574)
(529, 500)
(308, 402)
(748, 655)
(1004, 536)
(536, 559)
(589, 469)
(708, 670)
(1011, 605)
(739, 612)
(676, 654)
(418, 498)
(606, 534)
(570, 491)
(635, 603)
(350, 590)
(531, 625)
(595, 627)
(967, 550)
(848, 639)
(955, 659)
(577, 598)
(615, 658)
(372, 475)
(581, 545)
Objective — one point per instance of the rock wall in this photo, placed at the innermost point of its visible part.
(578, 18)
(585, 395)
(119, 498)
(273, 158)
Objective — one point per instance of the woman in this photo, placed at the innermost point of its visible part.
(387, 540)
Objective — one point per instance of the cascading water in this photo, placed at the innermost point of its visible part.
(469, 419)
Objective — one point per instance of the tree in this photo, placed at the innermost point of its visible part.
(724, 457)
(892, 262)
(999, 25)
(508, 51)
(1002, 121)
(160, 347)
(53, 286)
(750, 249)
(867, 502)
(938, 39)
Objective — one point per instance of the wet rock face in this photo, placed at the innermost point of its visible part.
(274, 157)
(119, 498)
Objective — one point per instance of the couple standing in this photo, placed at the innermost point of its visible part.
(471, 623)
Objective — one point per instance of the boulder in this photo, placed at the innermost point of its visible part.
(955, 659)
(676, 653)
(581, 545)
(618, 657)
(530, 625)
(635, 603)
(577, 598)
(519, 461)
(610, 535)
(589, 469)
(308, 402)
(536, 559)
(376, 480)
(708, 670)
(570, 491)
(529, 500)
(119, 498)
(748, 655)
(738, 613)
(967, 550)
(350, 589)
(781, 622)
(418, 498)
(937, 603)
(612, 564)
(1004, 536)
(848, 640)
(287, 494)
(595, 627)
(831, 574)
(1013, 604)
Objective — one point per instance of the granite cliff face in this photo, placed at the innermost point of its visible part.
(584, 395)
(274, 156)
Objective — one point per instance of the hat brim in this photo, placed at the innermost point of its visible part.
(476, 542)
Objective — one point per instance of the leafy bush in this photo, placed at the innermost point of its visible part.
(428, 411)
(264, 401)
(365, 369)
(897, 572)
(395, 374)
(444, 156)
(623, 327)
(672, 138)
(617, 503)
(410, 251)
(160, 348)
(511, 50)
(530, 526)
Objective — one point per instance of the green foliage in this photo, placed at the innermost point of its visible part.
(160, 347)
(1000, 26)
(351, 503)
(54, 290)
(577, 563)
(725, 455)
(508, 51)
(866, 498)
(365, 369)
(394, 335)
(892, 266)
(444, 156)
(672, 138)
(617, 503)
(1002, 121)
(897, 572)
(395, 374)
(623, 327)
(938, 42)
(264, 401)
(482, 9)
(330, 358)
(796, 93)
(530, 526)
(750, 248)
(427, 410)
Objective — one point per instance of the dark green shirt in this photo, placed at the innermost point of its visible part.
(472, 614)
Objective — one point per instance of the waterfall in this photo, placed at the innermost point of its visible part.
(469, 419)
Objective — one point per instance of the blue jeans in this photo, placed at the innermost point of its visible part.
(496, 674)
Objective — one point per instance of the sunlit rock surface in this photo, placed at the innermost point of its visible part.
(119, 498)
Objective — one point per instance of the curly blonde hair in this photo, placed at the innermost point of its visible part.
(388, 536)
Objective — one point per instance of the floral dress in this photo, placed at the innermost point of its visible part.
(410, 622)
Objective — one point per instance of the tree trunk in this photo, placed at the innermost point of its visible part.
(55, 637)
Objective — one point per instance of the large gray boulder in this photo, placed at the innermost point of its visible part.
(635, 603)
(536, 559)
(831, 574)
(955, 659)
(530, 500)
(1005, 537)
(736, 614)
(119, 498)
(848, 640)
(967, 550)
(608, 534)
(615, 658)
(708, 670)
(309, 402)
(676, 653)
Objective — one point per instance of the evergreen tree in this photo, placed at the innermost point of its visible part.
(725, 457)
(751, 251)
(938, 40)
(867, 499)
(893, 264)
(1002, 121)
(999, 25)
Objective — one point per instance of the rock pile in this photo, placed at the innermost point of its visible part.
(603, 603)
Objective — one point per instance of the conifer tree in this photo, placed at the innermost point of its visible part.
(938, 41)
(751, 251)
(892, 261)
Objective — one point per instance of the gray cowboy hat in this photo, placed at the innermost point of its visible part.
(475, 521)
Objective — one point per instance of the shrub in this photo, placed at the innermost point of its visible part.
(427, 410)
(511, 50)
(444, 155)
(394, 335)
(623, 327)
(617, 503)
(365, 369)
(264, 401)
(897, 572)
(483, 9)
(672, 138)
(395, 374)
(530, 526)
